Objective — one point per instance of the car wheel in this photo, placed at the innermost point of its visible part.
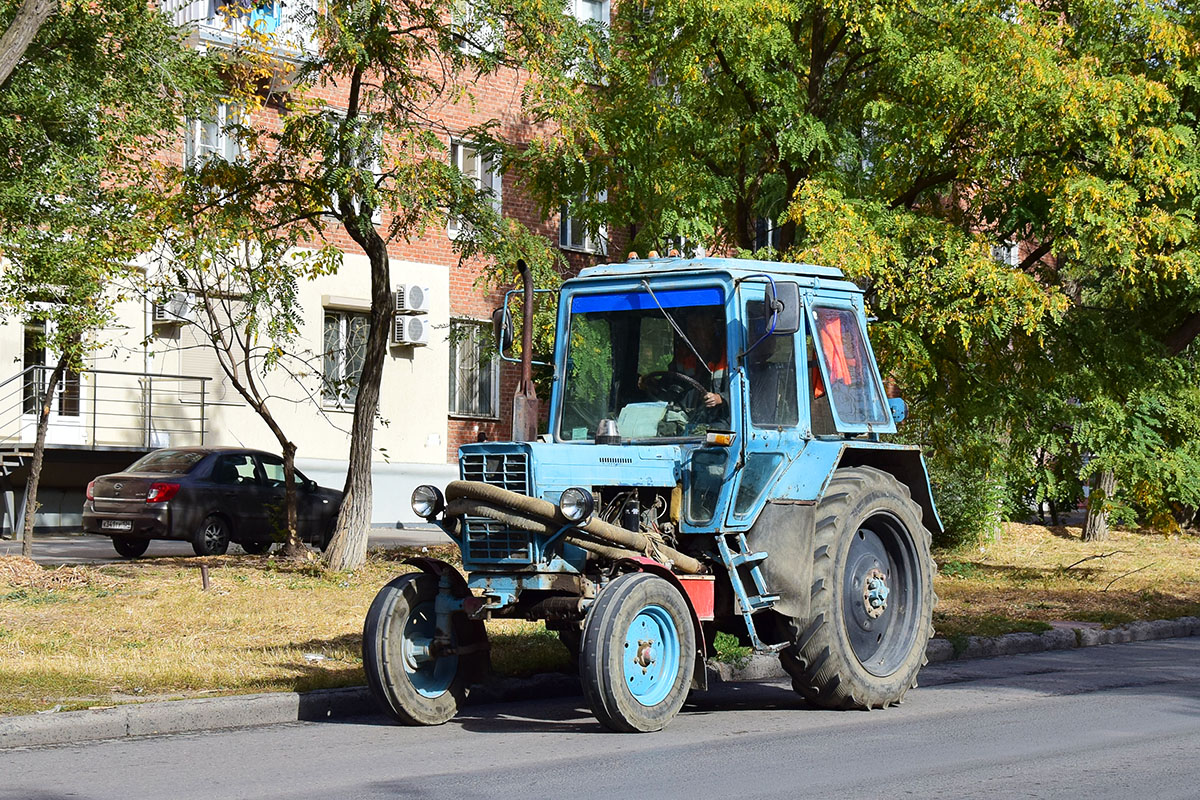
(127, 547)
(256, 548)
(212, 538)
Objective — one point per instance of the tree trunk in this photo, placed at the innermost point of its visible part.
(293, 546)
(30, 17)
(39, 450)
(1095, 527)
(348, 548)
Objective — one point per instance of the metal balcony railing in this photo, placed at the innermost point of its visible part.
(224, 23)
(104, 408)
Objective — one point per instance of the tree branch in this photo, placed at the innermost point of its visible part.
(30, 17)
(1036, 256)
(1183, 335)
(909, 198)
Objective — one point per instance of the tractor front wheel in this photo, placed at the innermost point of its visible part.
(872, 596)
(416, 678)
(638, 652)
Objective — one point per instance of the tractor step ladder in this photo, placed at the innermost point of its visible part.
(748, 603)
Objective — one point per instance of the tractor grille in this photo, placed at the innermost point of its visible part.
(488, 541)
(506, 470)
(492, 542)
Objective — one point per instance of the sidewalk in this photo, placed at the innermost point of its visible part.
(185, 716)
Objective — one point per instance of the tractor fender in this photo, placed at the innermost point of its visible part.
(905, 464)
(643, 564)
(435, 566)
(806, 478)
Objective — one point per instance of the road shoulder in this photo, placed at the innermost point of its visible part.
(238, 711)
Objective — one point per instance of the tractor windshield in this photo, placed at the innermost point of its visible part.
(627, 361)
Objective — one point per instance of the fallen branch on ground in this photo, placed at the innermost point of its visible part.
(1089, 558)
(1132, 571)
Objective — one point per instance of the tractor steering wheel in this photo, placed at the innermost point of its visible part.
(671, 386)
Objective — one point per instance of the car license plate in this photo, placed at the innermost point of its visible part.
(116, 525)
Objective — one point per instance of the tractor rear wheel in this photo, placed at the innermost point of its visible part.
(638, 652)
(872, 596)
(408, 677)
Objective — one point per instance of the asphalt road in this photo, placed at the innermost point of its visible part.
(1120, 721)
(82, 548)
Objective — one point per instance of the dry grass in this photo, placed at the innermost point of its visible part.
(80, 637)
(1034, 576)
(83, 637)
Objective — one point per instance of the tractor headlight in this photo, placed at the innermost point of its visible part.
(427, 501)
(576, 504)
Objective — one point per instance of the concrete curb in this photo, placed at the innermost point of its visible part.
(761, 668)
(239, 711)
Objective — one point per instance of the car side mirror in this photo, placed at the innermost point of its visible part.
(782, 309)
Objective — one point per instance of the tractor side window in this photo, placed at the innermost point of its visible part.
(848, 377)
(706, 476)
(771, 371)
(820, 413)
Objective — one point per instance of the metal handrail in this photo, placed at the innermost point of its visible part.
(136, 417)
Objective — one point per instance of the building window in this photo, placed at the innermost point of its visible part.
(475, 34)
(589, 10)
(368, 145)
(573, 233)
(213, 136)
(474, 370)
(266, 17)
(483, 171)
(345, 349)
(1007, 253)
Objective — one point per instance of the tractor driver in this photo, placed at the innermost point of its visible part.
(697, 378)
(706, 332)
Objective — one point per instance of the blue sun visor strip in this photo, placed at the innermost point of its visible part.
(639, 301)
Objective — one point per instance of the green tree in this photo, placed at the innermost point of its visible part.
(241, 276)
(98, 90)
(904, 142)
(321, 171)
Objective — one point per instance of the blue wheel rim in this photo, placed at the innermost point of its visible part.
(430, 676)
(651, 655)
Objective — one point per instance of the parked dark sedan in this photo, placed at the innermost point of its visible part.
(207, 496)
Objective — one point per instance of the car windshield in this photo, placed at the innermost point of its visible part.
(627, 362)
(174, 462)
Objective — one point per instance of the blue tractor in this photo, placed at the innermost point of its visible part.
(713, 463)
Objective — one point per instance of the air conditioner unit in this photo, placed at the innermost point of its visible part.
(173, 310)
(410, 331)
(412, 299)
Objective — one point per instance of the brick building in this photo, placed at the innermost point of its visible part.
(160, 378)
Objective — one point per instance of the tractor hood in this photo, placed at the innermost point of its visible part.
(545, 469)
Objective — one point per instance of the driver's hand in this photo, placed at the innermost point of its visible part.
(712, 399)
